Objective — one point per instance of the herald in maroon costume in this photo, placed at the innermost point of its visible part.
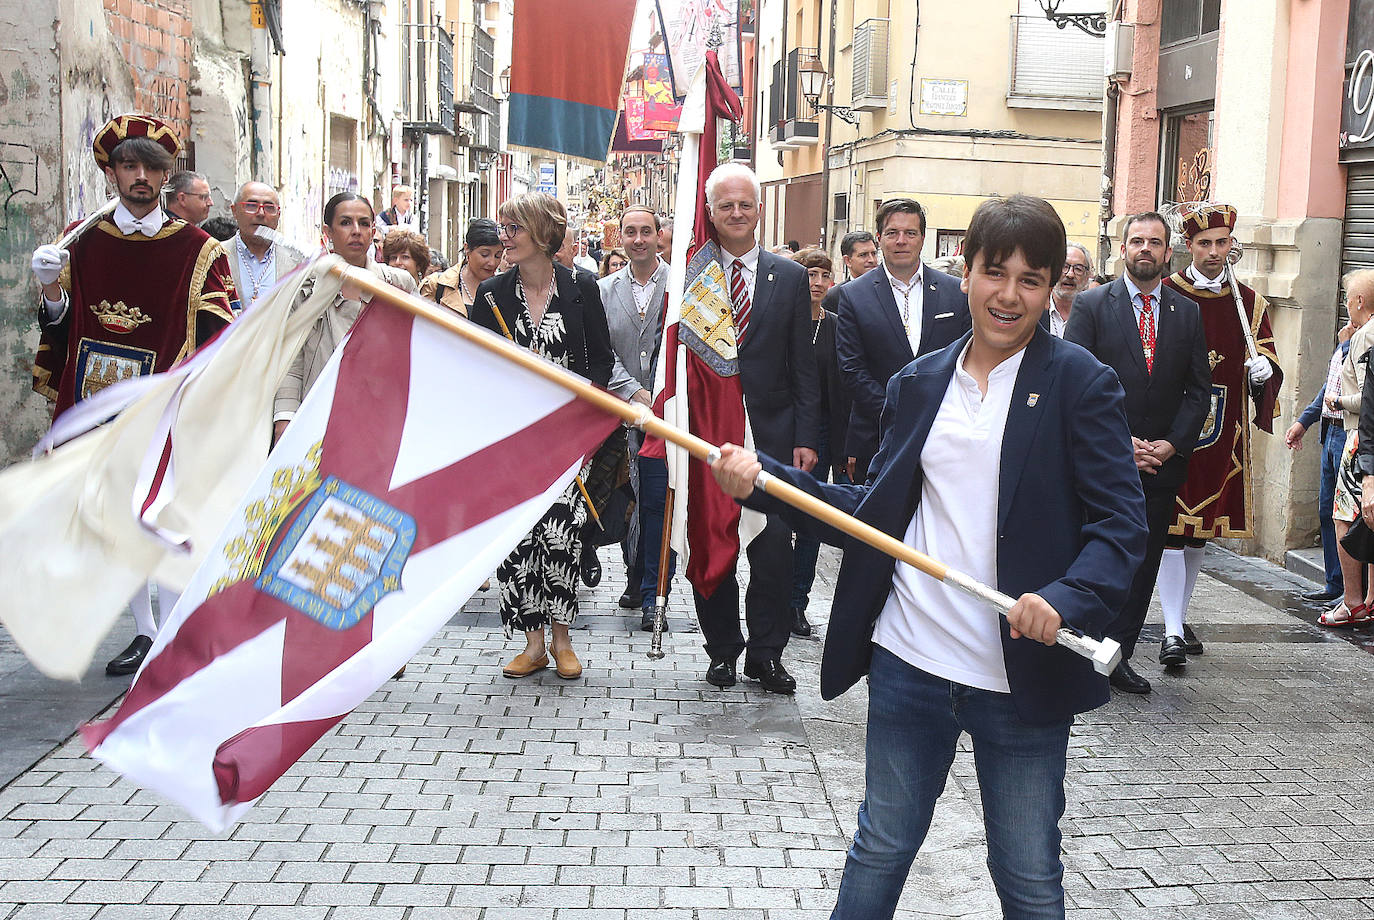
(137, 304)
(1216, 500)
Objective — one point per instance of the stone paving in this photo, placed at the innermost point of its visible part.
(1233, 791)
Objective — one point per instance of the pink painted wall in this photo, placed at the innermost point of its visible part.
(1138, 124)
(1311, 181)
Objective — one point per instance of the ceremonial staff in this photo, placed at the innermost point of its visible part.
(1104, 654)
(1232, 258)
(74, 233)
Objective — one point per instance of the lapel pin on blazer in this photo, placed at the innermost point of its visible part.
(1032, 399)
(942, 315)
(770, 276)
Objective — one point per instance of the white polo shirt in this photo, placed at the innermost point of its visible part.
(928, 625)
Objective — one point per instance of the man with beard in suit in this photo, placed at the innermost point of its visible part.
(1152, 336)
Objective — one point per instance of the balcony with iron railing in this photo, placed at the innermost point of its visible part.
(800, 125)
(427, 93)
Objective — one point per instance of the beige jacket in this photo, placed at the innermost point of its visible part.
(328, 332)
(450, 279)
(1352, 374)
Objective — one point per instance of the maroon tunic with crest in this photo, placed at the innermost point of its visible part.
(138, 305)
(1216, 499)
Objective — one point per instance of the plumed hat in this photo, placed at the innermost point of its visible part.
(1208, 217)
(127, 126)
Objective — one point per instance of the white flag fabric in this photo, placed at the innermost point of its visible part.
(78, 531)
(415, 465)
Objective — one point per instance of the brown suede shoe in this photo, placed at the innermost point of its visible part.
(523, 665)
(569, 668)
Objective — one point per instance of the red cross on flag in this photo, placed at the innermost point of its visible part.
(384, 506)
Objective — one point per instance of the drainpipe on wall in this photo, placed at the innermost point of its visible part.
(1109, 126)
(260, 74)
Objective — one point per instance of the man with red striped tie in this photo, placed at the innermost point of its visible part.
(1152, 336)
(771, 303)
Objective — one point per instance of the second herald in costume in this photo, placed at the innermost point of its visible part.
(1216, 500)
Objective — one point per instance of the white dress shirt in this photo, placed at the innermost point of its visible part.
(1057, 323)
(642, 292)
(911, 300)
(749, 262)
(926, 623)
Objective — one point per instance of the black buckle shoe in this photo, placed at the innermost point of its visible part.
(1191, 643)
(127, 661)
(721, 673)
(771, 675)
(800, 625)
(1172, 652)
(1125, 679)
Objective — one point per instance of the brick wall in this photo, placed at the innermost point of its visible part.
(155, 38)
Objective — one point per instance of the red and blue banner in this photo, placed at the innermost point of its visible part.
(566, 76)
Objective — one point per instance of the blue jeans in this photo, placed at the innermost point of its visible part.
(806, 548)
(1332, 448)
(653, 493)
(914, 724)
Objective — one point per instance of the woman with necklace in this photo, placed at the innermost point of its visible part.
(456, 288)
(542, 307)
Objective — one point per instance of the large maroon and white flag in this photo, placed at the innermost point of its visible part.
(396, 490)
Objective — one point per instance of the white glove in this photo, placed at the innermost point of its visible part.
(1259, 370)
(48, 262)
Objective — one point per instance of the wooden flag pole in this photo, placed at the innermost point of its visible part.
(1105, 654)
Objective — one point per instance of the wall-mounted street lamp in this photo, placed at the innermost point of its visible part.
(505, 82)
(1091, 23)
(813, 80)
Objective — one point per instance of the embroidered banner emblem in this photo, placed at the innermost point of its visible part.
(706, 327)
(101, 364)
(344, 553)
(1216, 413)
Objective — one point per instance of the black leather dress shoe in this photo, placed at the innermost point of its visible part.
(1191, 643)
(1321, 594)
(771, 675)
(1173, 652)
(1125, 679)
(630, 599)
(591, 569)
(800, 625)
(721, 673)
(127, 661)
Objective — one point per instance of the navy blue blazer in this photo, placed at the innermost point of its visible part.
(872, 345)
(1070, 517)
(777, 364)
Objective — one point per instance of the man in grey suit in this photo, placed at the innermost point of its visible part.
(255, 263)
(633, 298)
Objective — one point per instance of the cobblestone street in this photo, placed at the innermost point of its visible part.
(1233, 791)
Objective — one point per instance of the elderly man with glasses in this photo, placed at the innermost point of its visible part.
(1073, 280)
(256, 263)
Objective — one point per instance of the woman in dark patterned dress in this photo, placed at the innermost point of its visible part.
(561, 318)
